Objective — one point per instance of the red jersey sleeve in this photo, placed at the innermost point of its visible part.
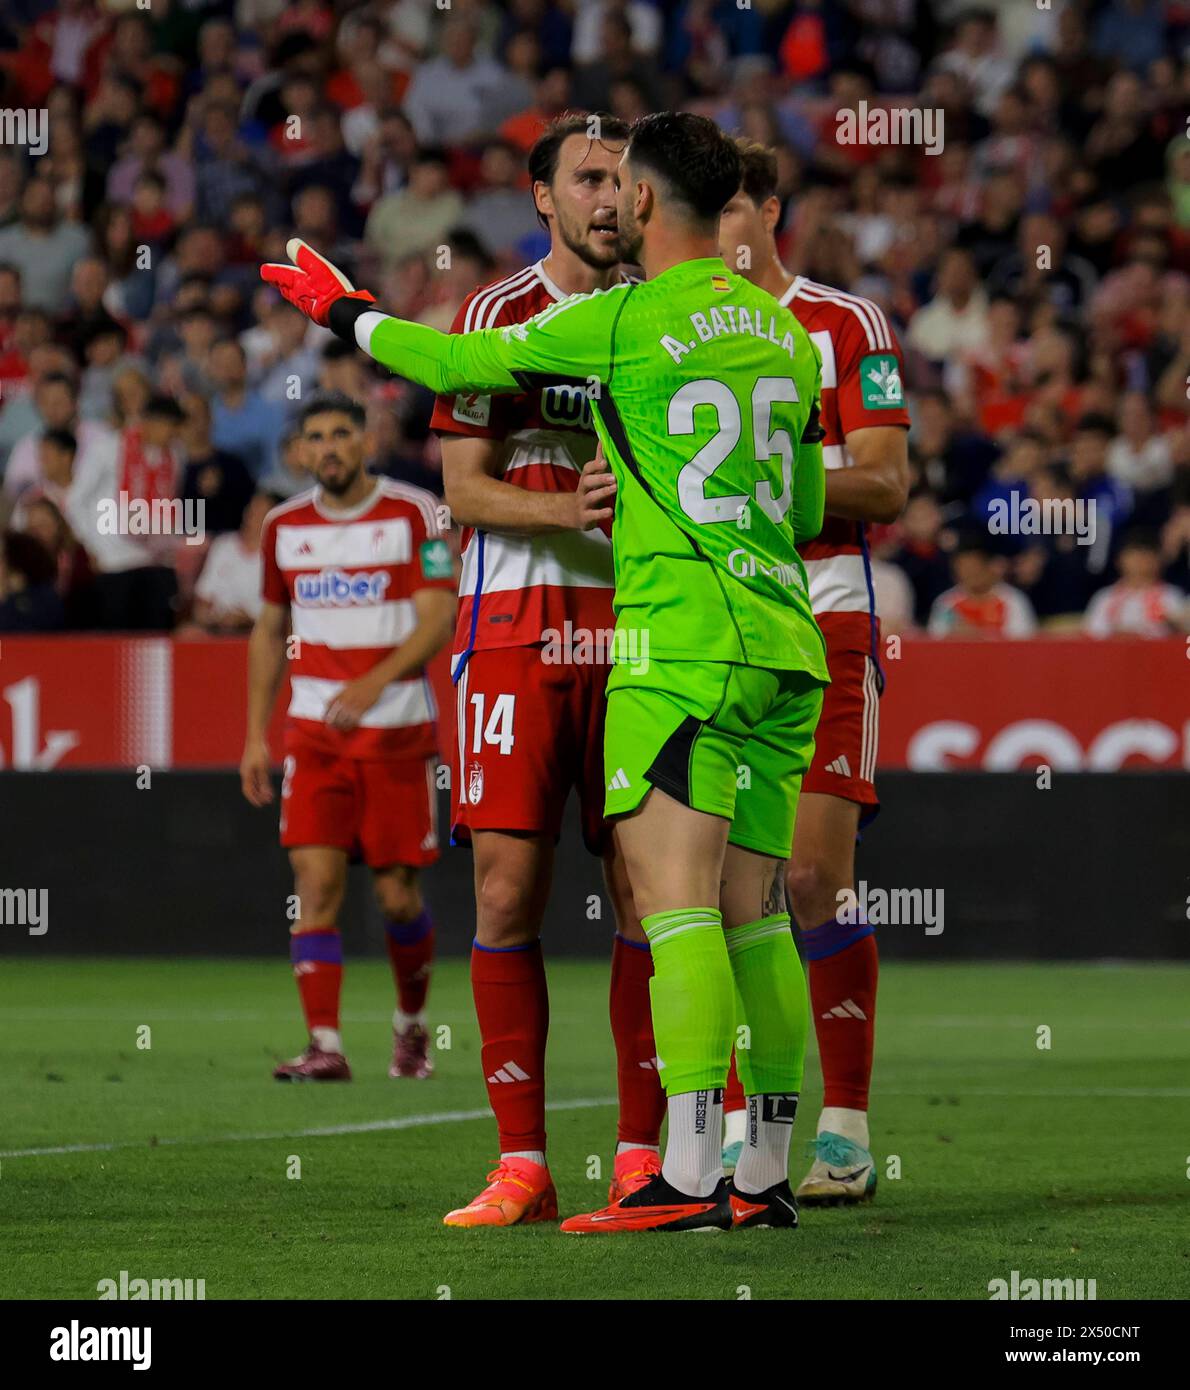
(272, 583)
(470, 412)
(871, 371)
(432, 564)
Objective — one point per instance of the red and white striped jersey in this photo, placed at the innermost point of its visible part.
(516, 588)
(348, 579)
(862, 373)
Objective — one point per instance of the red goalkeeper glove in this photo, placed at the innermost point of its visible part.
(311, 284)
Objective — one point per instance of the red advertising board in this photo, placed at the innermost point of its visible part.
(87, 702)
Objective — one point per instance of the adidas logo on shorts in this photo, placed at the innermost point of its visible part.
(840, 765)
(619, 782)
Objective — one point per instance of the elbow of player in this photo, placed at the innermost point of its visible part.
(889, 505)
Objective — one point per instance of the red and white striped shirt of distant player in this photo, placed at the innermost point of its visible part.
(348, 579)
(514, 589)
(862, 372)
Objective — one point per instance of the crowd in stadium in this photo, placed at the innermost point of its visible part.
(1036, 266)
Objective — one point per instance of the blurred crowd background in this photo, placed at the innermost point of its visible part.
(139, 351)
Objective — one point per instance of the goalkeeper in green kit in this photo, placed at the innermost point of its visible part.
(704, 394)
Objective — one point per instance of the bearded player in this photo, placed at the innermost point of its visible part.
(537, 581)
(865, 452)
(358, 592)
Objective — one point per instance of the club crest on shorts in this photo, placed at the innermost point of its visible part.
(475, 784)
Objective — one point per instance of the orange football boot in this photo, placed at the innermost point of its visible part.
(656, 1206)
(518, 1191)
(634, 1168)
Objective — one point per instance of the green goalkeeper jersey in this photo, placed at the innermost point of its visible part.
(704, 391)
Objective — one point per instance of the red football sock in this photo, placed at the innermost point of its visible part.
(317, 955)
(410, 953)
(843, 997)
(642, 1101)
(733, 1092)
(513, 1008)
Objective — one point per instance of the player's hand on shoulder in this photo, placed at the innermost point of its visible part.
(352, 702)
(255, 765)
(595, 499)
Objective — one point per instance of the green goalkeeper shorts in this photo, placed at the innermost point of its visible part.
(734, 741)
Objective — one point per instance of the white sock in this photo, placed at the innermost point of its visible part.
(694, 1152)
(735, 1126)
(326, 1039)
(622, 1147)
(402, 1021)
(533, 1155)
(765, 1157)
(851, 1124)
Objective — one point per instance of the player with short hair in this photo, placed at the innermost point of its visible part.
(705, 398)
(535, 607)
(865, 453)
(358, 593)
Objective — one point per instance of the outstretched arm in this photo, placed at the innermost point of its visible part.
(570, 341)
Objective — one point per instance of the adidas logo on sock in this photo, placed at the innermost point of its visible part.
(840, 765)
(847, 1009)
(509, 1072)
(619, 782)
(653, 1064)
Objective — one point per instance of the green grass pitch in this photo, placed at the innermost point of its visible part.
(1066, 1162)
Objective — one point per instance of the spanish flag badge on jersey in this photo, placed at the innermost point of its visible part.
(720, 283)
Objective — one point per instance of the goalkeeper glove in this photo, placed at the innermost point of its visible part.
(311, 284)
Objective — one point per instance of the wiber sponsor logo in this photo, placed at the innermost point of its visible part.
(892, 907)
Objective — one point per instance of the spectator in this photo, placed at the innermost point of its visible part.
(956, 319)
(920, 556)
(43, 520)
(500, 214)
(57, 401)
(244, 424)
(419, 217)
(227, 595)
(29, 601)
(43, 248)
(980, 604)
(1138, 456)
(1138, 604)
(211, 476)
(1109, 499)
(455, 98)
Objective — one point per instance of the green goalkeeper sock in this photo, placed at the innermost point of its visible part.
(771, 990)
(692, 997)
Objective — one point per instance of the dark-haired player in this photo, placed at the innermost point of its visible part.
(704, 394)
(358, 591)
(536, 588)
(867, 478)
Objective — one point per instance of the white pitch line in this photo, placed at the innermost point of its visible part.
(445, 1117)
(454, 1117)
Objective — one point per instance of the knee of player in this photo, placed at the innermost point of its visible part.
(503, 911)
(318, 898)
(812, 891)
(399, 898)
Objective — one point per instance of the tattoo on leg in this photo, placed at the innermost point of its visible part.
(774, 899)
